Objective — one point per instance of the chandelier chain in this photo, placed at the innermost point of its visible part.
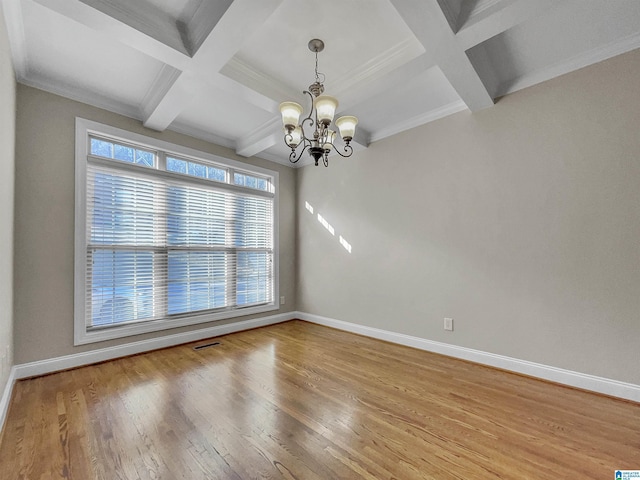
(318, 74)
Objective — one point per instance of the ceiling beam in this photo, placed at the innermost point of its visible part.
(494, 21)
(431, 27)
(221, 44)
(170, 82)
(263, 137)
(166, 107)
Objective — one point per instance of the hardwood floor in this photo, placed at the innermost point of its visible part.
(301, 401)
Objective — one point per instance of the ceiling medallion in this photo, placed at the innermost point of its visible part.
(313, 133)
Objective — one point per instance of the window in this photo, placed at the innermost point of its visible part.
(167, 236)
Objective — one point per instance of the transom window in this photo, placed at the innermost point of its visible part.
(166, 236)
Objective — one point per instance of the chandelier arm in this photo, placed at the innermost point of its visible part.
(293, 157)
(310, 108)
(288, 138)
(311, 123)
(348, 149)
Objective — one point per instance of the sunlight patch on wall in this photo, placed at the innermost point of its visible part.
(323, 221)
(326, 225)
(345, 244)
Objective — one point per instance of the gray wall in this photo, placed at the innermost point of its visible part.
(522, 222)
(7, 160)
(44, 223)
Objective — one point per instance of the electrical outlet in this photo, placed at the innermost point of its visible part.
(448, 324)
(282, 300)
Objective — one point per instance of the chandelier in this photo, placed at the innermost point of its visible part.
(314, 133)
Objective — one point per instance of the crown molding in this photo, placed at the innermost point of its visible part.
(451, 13)
(482, 5)
(418, 120)
(204, 20)
(166, 77)
(83, 96)
(380, 65)
(576, 62)
(144, 17)
(17, 39)
(260, 139)
(241, 71)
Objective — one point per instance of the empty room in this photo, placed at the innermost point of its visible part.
(287, 239)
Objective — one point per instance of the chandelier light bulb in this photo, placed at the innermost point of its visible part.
(294, 137)
(329, 136)
(325, 108)
(291, 112)
(347, 126)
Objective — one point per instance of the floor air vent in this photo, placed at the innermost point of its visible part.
(206, 345)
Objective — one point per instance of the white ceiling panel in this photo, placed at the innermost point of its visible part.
(67, 56)
(279, 48)
(412, 103)
(223, 114)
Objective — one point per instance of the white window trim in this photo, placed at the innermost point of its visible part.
(81, 335)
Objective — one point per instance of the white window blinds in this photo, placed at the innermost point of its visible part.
(162, 244)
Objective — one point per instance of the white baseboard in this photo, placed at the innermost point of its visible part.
(584, 381)
(42, 367)
(5, 400)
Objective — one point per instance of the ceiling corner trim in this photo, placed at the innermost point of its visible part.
(263, 137)
(165, 79)
(381, 64)
(143, 17)
(83, 96)
(245, 74)
(482, 5)
(451, 13)
(204, 21)
(418, 120)
(17, 40)
(581, 60)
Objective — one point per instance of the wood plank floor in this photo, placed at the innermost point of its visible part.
(301, 401)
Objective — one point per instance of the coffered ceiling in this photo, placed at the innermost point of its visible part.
(217, 69)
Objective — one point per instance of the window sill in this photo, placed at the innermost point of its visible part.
(102, 334)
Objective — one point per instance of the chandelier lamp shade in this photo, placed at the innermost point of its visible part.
(315, 134)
